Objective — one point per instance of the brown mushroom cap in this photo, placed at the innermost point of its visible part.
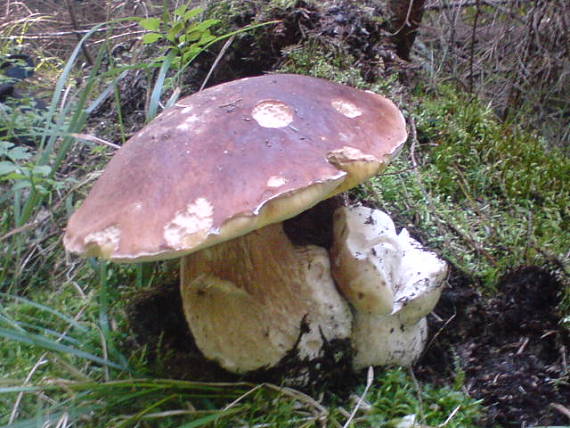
(231, 159)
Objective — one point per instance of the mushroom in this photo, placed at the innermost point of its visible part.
(391, 281)
(212, 178)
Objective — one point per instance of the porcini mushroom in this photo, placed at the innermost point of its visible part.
(391, 281)
(212, 178)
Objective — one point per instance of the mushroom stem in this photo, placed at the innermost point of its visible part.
(392, 282)
(251, 300)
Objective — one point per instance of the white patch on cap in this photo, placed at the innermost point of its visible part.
(346, 108)
(107, 240)
(349, 154)
(137, 206)
(272, 114)
(188, 123)
(276, 181)
(190, 226)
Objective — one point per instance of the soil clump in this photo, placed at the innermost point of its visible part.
(510, 348)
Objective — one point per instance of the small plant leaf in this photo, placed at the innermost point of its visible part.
(204, 25)
(19, 153)
(181, 10)
(206, 38)
(193, 13)
(43, 170)
(7, 167)
(193, 36)
(5, 147)
(174, 31)
(21, 183)
(151, 24)
(191, 53)
(150, 38)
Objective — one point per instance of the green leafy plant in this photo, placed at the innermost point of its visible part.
(31, 177)
(13, 152)
(181, 38)
(183, 34)
(21, 120)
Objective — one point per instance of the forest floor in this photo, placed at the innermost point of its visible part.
(510, 348)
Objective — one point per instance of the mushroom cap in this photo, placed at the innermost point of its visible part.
(231, 159)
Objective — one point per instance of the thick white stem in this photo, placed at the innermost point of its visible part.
(387, 340)
(251, 300)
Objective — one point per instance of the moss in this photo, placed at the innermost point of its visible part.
(315, 59)
(487, 195)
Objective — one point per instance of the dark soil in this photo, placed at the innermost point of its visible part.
(157, 322)
(511, 348)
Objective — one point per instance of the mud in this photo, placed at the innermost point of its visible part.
(511, 348)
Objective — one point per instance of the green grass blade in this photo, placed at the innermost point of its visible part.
(59, 91)
(37, 340)
(45, 308)
(159, 86)
(205, 420)
(21, 325)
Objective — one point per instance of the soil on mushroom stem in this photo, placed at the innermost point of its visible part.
(157, 322)
(510, 348)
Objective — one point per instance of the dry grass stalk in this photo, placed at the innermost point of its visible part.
(515, 53)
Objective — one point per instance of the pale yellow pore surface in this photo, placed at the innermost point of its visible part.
(246, 300)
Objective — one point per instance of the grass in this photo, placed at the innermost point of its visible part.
(486, 195)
